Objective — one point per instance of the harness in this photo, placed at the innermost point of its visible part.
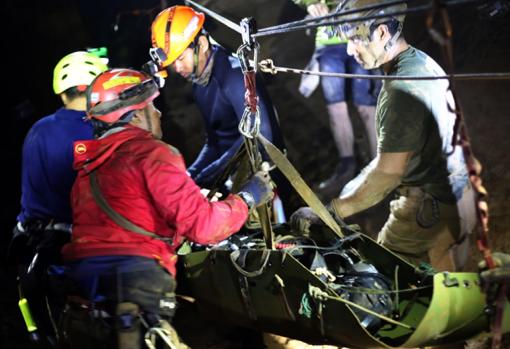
(117, 217)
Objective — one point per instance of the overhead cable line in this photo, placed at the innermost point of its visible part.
(267, 66)
(335, 18)
(234, 26)
(335, 15)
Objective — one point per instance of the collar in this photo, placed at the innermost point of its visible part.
(204, 78)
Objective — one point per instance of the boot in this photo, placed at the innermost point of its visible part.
(331, 187)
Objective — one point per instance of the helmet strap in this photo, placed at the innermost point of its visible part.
(148, 119)
(196, 48)
(394, 38)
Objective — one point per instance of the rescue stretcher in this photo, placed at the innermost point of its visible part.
(275, 291)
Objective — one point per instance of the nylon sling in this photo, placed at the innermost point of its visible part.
(117, 217)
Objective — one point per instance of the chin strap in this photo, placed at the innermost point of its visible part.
(196, 48)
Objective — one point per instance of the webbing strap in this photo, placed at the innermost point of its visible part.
(114, 215)
(300, 185)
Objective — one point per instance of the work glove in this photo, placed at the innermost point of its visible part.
(302, 220)
(257, 191)
(500, 273)
(493, 279)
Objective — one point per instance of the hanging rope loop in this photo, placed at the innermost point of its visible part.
(249, 126)
(250, 97)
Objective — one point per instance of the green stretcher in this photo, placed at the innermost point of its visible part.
(274, 292)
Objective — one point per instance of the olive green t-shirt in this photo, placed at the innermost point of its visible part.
(413, 115)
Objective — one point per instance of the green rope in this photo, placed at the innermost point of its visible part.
(305, 308)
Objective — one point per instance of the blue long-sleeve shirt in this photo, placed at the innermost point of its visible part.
(221, 103)
(47, 165)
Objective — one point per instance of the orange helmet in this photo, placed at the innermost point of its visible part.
(173, 30)
(118, 91)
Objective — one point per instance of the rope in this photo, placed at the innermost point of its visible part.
(317, 293)
(267, 66)
(153, 332)
(250, 97)
(234, 26)
(356, 289)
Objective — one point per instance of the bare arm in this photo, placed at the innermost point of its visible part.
(373, 184)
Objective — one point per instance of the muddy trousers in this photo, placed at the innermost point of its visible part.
(421, 229)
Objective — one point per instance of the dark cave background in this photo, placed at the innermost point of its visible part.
(35, 35)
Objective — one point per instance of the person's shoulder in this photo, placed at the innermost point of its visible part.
(155, 152)
(45, 124)
(414, 62)
(226, 66)
(160, 145)
(61, 117)
(154, 146)
(224, 57)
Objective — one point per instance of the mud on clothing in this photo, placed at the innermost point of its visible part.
(145, 181)
(221, 103)
(47, 167)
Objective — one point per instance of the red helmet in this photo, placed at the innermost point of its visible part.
(115, 92)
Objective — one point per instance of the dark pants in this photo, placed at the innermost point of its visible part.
(104, 283)
(115, 279)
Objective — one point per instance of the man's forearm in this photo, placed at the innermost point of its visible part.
(366, 190)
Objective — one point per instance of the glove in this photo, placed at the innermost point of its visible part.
(257, 191)
(500, 273)
(303, 219)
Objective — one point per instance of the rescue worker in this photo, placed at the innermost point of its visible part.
(133, 205)
(44, 223)
(180, 42)
(415, 156)
(331, 56)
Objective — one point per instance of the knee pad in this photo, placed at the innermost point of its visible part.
(128, 326)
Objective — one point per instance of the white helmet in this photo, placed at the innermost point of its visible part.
(77, 69)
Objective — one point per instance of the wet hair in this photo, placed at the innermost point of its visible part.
(392, 24)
